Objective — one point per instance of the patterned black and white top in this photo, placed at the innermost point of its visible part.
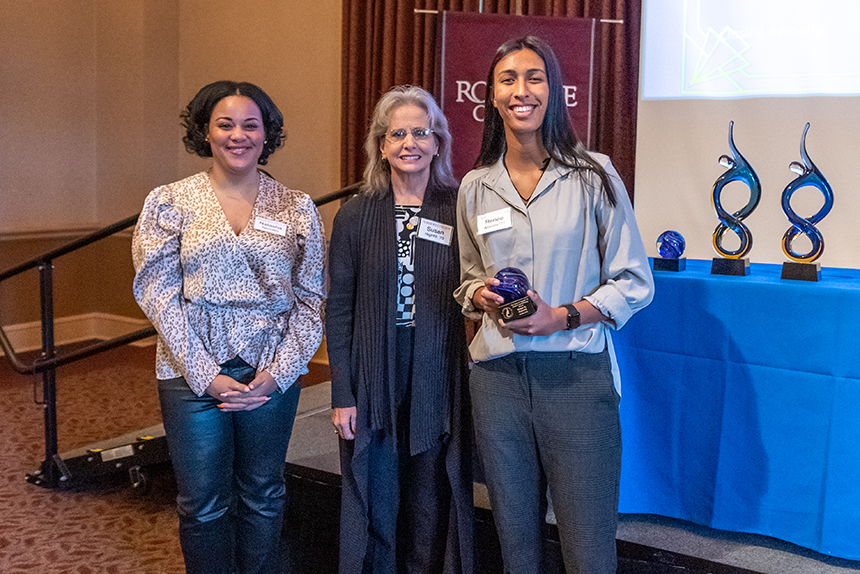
(406, 221)
(213, 295)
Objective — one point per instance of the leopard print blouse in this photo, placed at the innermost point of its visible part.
(213, 295)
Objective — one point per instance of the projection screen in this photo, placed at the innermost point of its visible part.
(770, 66)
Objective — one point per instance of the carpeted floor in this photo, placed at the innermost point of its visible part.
(113, 529)
(107, 528)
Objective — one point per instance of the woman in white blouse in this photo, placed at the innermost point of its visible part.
(231, 271)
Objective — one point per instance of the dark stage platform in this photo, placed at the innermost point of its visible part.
(310, 538)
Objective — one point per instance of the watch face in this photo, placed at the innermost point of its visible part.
(572, 317)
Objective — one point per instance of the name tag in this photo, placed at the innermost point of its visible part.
(495, 220)
(435, 231)
(270, 226)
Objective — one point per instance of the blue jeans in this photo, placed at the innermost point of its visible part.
(230, 475)
(550, 418)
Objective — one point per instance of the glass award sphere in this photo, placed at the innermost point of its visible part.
(670, 244)
(513, 284)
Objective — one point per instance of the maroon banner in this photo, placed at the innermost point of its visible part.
(468, 44)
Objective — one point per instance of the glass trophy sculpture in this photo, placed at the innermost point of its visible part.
(513, 285)
(734, 262)
(801, 266)
(670, 245)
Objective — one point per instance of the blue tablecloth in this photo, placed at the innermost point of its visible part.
(740, 405)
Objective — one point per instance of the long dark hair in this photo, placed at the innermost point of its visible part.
(557, 135)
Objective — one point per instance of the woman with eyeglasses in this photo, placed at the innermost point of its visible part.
(396, 347)
(545, 386)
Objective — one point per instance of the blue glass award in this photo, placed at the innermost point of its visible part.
(670, 245)
(801, 266)
(513, 287)
(734, 262)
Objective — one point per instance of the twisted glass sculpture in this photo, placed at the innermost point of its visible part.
(808, 176)
(739, 170)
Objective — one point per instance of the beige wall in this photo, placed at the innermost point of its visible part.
(137, 135)
(292, 50)
(48, 106)
(90, 95)
(95, 279)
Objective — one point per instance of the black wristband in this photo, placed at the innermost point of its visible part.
(573, 318)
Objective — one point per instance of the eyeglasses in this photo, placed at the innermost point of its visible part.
(418, 134)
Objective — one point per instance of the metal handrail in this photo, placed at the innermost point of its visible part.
(53, 471)
(51, 361)
(44, 363)
(69, 247)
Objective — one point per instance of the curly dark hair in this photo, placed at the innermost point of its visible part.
(558, 136)
(195, 117)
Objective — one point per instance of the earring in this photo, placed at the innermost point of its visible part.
(265, 142)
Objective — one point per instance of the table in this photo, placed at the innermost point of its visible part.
(740, 405)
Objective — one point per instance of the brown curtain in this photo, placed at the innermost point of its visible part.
(386, 43)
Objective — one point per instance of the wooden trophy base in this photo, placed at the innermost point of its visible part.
(738, 267)
(801, 271)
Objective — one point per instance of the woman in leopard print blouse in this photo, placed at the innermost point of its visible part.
(230, 269)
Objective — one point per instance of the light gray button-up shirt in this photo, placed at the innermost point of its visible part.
(570, 242)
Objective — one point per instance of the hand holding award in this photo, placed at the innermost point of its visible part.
(513, 287)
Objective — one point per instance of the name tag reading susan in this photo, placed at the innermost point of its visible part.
(435, 231)
(494, 220)
(270, 226)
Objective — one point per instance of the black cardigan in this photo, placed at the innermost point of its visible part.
(360, 335)
(360, 315)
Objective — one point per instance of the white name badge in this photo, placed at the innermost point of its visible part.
(435, 231)
(270, 226)
(495, 220)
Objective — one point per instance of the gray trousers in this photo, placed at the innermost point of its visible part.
(550, 419)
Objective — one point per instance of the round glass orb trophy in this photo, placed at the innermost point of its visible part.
(670, 245)
(734, 262)
(801, 266)
(513, 285)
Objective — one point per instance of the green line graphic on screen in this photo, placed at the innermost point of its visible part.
(716, 57)
(739, 48)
